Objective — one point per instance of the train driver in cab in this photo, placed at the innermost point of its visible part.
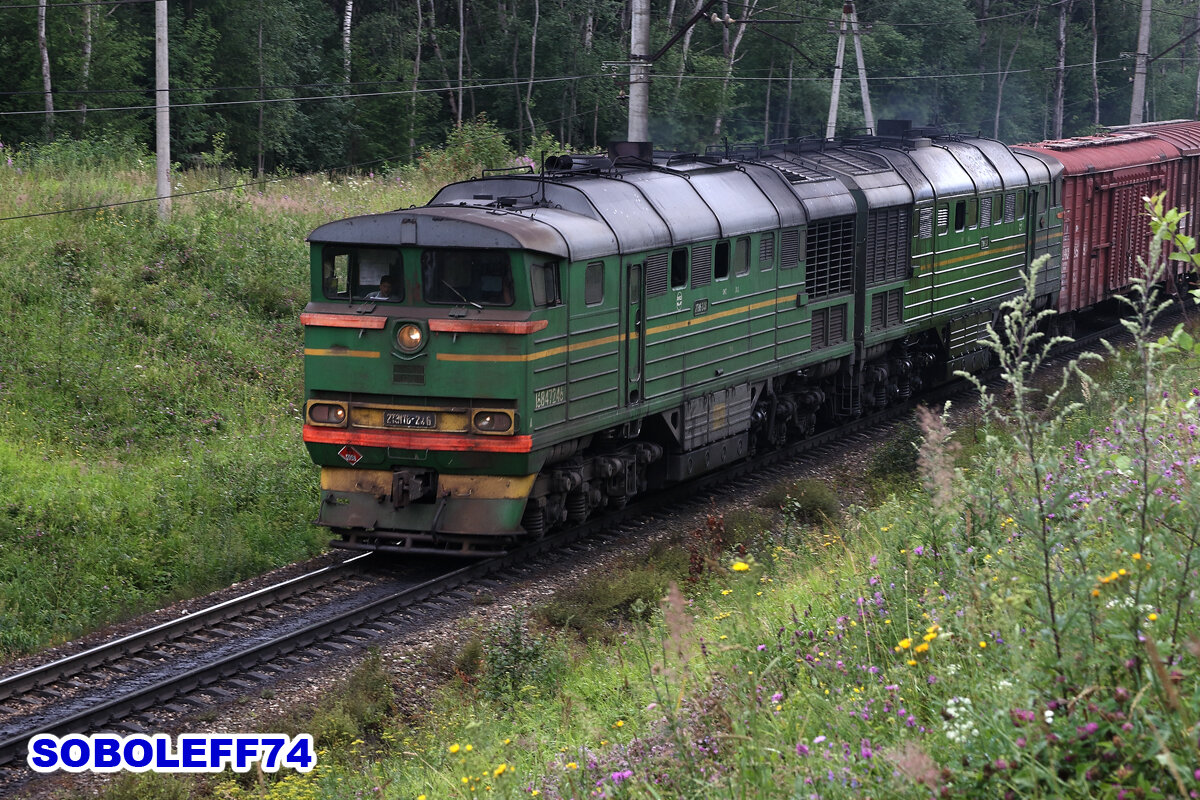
(384, 292)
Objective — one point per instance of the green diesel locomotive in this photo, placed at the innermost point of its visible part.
(528, 349)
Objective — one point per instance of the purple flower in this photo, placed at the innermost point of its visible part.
(818, 740)
(801, 749)
(775, 698)
(919, 550)
(624, 774)
(864, 748)
(1087, 729)
(762, 647)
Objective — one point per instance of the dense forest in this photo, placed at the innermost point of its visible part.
(344, 84)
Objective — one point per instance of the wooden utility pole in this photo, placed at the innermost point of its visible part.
(162, 112)
(1138, 103)
(639, 73)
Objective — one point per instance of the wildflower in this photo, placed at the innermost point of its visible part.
(739, 566)
(619, 723)
(801, 749)
(499, 770)
(572, 765)
(726, 591)
(454, 748)
(1152, 617)
(905, 644)
(982, 643)
(923, 647)
(911, 662)
(1136, 556)
(468, 748)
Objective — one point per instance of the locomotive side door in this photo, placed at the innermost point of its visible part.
(634, 324)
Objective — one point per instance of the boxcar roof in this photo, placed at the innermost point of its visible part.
(1106, 151)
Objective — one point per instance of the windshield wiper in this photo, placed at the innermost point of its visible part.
(460, 295)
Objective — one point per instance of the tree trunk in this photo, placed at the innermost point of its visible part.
(1060, 67)
(683, 50)
(1001, 79)
(416, 82)
(462, 48)
(261, 94)
(732, 59)
(1095, 72)
(85, 67)
(455, 108)
(537, 15)
(767, 110)
(346, 18)
(46, 85)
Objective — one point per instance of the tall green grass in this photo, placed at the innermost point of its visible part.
(151, 382)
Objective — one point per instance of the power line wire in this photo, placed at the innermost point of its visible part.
(268, 100)
(256, 182)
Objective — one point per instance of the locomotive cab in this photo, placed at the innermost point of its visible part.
(416, 377)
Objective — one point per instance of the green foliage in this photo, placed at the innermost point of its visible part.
(518, 664)
(147, 786)
(813, 502)
(602, 600)
(355, 709)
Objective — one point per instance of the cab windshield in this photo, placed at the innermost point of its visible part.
(461, 277)
(362, 274)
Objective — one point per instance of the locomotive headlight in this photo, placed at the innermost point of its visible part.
(492, 421)
(410, 337)
(327, 413)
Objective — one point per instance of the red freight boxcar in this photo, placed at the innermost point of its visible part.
(1104, 227)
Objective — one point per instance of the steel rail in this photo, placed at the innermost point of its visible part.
(44, 674)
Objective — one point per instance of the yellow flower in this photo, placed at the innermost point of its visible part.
(468, 748)
(740, 566)
(929, 637)
(572, 765)
(465, 779)
(982, 644)
(905, 644)
(454, 748)
(911, 663)
(1136, 556)
(923, 647)
(619, 723)
(1152, 617)
(498, 771)
(420, 797)
(726, 591)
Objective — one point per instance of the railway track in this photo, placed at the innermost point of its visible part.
(217, 653)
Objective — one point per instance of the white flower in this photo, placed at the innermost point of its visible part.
(1048, 715)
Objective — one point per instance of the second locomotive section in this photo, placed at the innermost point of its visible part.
(546, 346)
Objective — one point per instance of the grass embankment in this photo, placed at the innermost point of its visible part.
(151, 381)
(1016, 618)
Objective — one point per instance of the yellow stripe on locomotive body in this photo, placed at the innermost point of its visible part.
(528, 350)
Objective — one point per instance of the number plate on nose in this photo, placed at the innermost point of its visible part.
(410, 419)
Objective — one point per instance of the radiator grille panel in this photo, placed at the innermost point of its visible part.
(830, 252)
(790, 250)
(886, 309)
(828, 327)
(656, 274)
(888, 246)
(408, 373)
(702, 266)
